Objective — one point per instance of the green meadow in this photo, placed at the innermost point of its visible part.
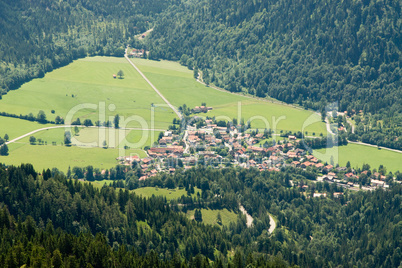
(100, 184)
(49, 156)
(85, 81)
(169, 194)
(15, 127)
(177, 84)
(94, 137)
(87, 149)
(209, 216)
(90, 81)
(360, 154)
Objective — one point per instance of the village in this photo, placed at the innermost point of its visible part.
(219, 144)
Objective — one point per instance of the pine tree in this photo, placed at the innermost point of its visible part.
(4, 150)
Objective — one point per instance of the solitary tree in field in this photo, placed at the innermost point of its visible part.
(67, 138)
(32, 140)
(116, 121)
(219, 218)
(6, 137)
(76, 130)
(198, 215)
(120, 74)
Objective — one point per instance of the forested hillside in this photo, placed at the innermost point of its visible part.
(50, 218)
(305, 52)
(38, 36)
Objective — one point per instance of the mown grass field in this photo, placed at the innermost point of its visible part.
(84, 81)
(360, 154)
(87, 150)
(100, 184)
(177, 84)
(15, 127)
(49, 156)
(209, 216)
(168, 193)
(94, 137)
(90, 80)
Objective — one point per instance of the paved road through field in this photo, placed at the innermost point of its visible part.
(154, 88)
(66, 126)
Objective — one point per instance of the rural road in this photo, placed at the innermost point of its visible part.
(272, 224)
(248, 216)
(154, 88)
(186, 151)
(351, 124)
(371, 145)
(328, 125)
(64, 126)
(348, 120)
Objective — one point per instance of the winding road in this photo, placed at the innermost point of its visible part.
(328, 125)
(248, 216)
(249, 223)
(272, 224)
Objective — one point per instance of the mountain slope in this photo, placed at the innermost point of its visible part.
(308, 52)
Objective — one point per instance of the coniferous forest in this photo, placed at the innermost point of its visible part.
(307, 52)
(50, 219)
(310, 53)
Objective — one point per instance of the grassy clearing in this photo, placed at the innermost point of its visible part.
(261, 142)
(86, 152)
(94, 137)
(168, 193)
(361, 154)
(177, 84)
(84, 81)
(90, 80)
(209, 216)
(15, 127)
(100, 184)
(48, 156)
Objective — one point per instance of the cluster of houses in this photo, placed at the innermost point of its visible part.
(137, 53)
(219, 146)
(200, 109)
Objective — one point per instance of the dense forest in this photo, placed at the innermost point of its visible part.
(305, 52)
(49, 218)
